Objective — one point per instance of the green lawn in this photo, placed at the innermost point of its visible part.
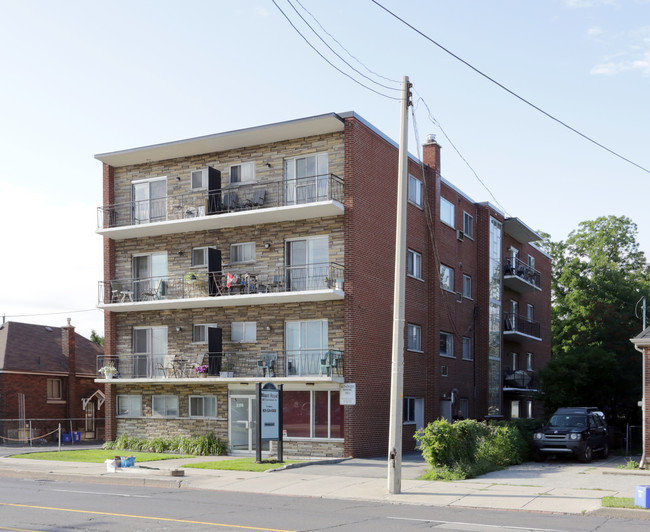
(620, 502)
(241, 464)
(97, 456)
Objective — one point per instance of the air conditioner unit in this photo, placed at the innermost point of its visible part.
(459, 297)
(460, 235)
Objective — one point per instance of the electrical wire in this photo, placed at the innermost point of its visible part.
(512, 93)
(53, 313)
(327, 60)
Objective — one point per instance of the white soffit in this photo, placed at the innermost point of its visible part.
(520, 231)
(303, 127)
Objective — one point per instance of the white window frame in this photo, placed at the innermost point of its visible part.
(467, 286)
(409, 411)
(242, 248)
(447, 212)
(530, 312)
(54, 390)
(140, 209)
(529, 362)
(467, 348)
(167, 405)
(243, 331)
(515, 361)
(449, 344)
(203, 399)
(414, 338)
(201, 327)
(246, 173)
(444, 371)
(204, 250)
(447, 281)
(468, 225)
(414, 264)
(531, 261)
(416, 191)
(131, 403)
(515, 409)
(204, 179)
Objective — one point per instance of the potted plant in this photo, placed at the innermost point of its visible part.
(202, 370)
(108, 371)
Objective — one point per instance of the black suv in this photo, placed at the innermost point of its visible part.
(580, 431)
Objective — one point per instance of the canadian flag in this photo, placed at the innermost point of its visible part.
(229, 279)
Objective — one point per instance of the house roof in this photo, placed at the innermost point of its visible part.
(25, 347)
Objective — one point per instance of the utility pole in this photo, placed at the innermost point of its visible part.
(397, 364)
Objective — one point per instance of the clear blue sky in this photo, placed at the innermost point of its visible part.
(81, 78)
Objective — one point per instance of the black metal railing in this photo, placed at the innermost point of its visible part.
(224, 364)
(517, 268)
(514, 323)
(523, 379)
(231, 282)
(227, 199)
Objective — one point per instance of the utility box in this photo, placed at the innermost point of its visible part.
(642, 496)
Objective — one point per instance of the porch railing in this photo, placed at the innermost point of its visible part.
(227, 199)
(517, 268)
(236, 364)
(232, 282)
(514, 323)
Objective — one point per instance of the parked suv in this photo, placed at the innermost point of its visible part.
(581, 431)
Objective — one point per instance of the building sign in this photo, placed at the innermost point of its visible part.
(348, 394)
(270, 420)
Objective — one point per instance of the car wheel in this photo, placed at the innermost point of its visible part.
(604, 453)
(586, 454)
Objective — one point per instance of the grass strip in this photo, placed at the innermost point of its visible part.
(97, 456)
(241, 464)
(620, 502)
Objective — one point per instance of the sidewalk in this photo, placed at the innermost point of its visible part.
(555, 486)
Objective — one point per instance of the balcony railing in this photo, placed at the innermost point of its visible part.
(226, 364)
(520, 379)
(228, 199)
(516, 327)
(231, 282)
(522, 274)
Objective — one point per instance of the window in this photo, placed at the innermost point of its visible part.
(54, 390)
(447, 212)
(149, 351)
(129, 405)
(199, 179)
(467, 286)
(242, 173)
(467, 348)
(305, 343)
(446, 277)
(307, 262)
(244, 252)
(444, 371)
(415, 191)
(530, 312)
(528, 409)
(468, 225)
(414, 264)
(244, 331)
(306, 179)
(164, 405)
(203, 406)
(515, 361)
(312, 414)
(446, 344)
(200, 332)
(414, 337)
(409, 410)
(531, 261)
(148, 270)
(200, 256)
(514, 409)
(149, 198)
(529, 361)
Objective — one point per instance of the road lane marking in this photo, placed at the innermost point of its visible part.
(107, 493)
(72, 510)
(19, 529)
(481, 526)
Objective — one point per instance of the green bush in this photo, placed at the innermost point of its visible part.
(470, 448)
(206, 445)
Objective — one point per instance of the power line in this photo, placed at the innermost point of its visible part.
(52, 313)
(327, 60)
(512, 93)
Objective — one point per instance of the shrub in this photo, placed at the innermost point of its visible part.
(206, 445)
(469, 448)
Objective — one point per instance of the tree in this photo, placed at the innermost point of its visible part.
(598, 277)
(96, 339)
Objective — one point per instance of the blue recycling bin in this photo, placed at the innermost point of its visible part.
(66, 437)
(642, 496)
(76, 436)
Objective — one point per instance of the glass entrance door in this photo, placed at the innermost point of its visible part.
(243, 425)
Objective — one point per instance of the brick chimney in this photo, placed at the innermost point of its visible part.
(431, 153)
(68, 350)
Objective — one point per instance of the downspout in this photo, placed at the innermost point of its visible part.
(642, 462)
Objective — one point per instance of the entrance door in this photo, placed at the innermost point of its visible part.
(90, 420)
(243, 425)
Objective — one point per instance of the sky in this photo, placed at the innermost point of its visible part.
(81, 78)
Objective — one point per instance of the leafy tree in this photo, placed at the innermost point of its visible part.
(598, 277)
(95, 338)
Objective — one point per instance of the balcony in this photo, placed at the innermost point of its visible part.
(520, 277)
(293, 365)
(232, 206)
(519, 328)
(234, 287)
(520, 381)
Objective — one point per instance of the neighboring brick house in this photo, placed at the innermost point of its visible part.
(277, 243)
(642, 343)
(47, 377)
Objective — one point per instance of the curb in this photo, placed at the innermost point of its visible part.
(625, 513)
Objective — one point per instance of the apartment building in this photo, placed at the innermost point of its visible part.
(267, 254)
